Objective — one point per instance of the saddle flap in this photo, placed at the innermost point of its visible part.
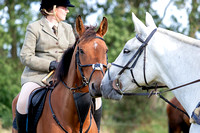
(36, 96)
(83, 102)
(36, 105)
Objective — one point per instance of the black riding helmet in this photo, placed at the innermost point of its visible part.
(48, 4)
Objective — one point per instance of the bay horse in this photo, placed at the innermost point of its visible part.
(177, 121)
(78, 75)
(156, 55)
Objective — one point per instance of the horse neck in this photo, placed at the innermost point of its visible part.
(178, 63)
(63, 100)
(64, 107)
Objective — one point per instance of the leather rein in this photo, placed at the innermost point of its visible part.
(135, 58)
(85, 82)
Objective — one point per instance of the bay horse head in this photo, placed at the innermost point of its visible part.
(91, 55)
(89, 59)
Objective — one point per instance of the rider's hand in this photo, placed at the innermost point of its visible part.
(53, 65)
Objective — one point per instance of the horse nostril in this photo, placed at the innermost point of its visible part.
(93, 88)
(97, 92)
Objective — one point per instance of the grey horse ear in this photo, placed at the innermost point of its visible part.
(140, 28)
(150, 21)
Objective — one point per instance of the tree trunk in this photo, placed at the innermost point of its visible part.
(193, 20)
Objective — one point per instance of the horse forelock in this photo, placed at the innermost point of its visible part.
(181, 37)
(89, 34)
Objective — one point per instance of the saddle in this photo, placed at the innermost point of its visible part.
(36, 105)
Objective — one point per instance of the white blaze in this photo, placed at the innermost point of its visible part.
(95, 45)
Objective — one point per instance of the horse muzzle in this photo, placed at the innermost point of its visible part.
(110, 90)
(94, 90)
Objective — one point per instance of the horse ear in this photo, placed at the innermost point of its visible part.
(79, 26)
(103, 27)
(139, 26)
(149, 20)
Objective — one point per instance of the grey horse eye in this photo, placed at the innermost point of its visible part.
(126, 51)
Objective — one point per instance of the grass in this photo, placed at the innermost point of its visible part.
(5, 130)
(150, 120)
(157, 124)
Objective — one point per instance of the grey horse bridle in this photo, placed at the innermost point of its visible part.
(135, 58)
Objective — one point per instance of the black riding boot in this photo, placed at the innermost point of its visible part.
(21, 122)
(97, 117)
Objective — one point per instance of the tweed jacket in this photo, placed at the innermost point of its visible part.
(41, 46)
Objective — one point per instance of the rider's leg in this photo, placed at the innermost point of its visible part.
(22, 105)
(98, 112)
(21, 122)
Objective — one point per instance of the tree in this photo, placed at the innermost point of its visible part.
(194, 19)
(16, 16)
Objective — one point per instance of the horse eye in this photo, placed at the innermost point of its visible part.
(81, 51)
(126, 51)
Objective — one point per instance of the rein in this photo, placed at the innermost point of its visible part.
(85, 82)
(148, 87)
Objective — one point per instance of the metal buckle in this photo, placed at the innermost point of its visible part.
(97, 67)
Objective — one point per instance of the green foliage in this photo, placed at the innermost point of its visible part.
(10, 85)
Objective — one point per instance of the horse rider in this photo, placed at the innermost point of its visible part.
(44, 44)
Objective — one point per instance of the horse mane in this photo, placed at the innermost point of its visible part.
(63, 67)
(181, 37)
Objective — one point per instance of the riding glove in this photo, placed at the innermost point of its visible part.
(53, 65)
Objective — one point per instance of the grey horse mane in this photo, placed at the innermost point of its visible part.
(181, 37)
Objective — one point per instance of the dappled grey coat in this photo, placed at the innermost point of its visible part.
(41, 46)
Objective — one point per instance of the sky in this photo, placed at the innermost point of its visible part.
(181, 14)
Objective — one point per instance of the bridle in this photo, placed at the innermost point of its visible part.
(95, 67)
(134, 59)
